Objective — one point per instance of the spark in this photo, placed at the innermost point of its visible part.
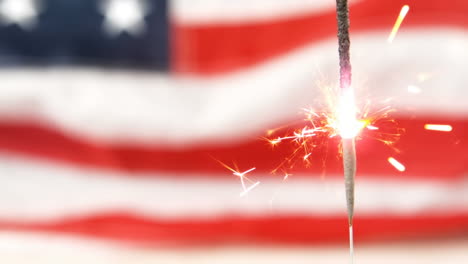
(436, 127)
(275, 141)
(424, 76)
(414, 89)
(338, 119)
(401, 17)
(245, 172)
(246, 190)
(243, 178)
(395, 163)
(321, 126)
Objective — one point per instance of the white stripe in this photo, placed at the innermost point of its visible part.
(39, 192)
(21, 248)
(149, 108)
(244, 11)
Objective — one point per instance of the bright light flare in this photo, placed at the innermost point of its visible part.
(348, 125)
(241, 174)
(395, 163)
(443, 128)
(340, 116)
(396, 27)
(414, 89)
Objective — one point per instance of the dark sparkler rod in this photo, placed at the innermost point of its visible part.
(342, 16)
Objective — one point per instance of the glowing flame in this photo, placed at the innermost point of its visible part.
(443, 128)
(340, 116)
(348, 125)
(401, 17)
(395, 163)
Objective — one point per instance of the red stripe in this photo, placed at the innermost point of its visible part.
(428, 154)
(291, 229)
(209, 49)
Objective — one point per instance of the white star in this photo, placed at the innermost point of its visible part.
(20, 12)
(124, 16)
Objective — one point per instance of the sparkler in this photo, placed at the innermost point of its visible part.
(347, 113)
(340, 118)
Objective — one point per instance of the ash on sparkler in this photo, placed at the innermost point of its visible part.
(347, 112)
(342, 16)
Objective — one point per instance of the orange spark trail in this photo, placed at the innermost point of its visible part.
(443, 128)
(395, 163)
(401, 17)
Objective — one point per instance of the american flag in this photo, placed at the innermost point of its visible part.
(114, 112)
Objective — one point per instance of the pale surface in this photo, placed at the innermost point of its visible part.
(69, 192)
(21, 249)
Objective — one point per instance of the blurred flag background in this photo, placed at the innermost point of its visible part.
(114, 112)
